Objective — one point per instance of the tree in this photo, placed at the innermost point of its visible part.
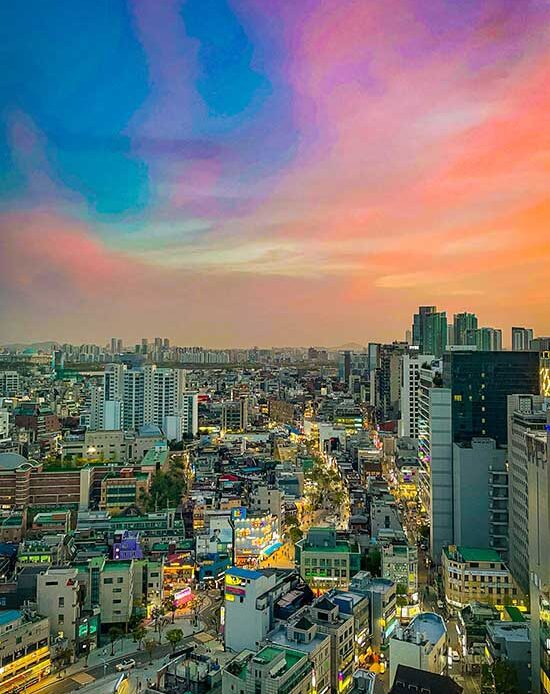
(170, 605)
(505, 677)
(174, 637)
(64, 656)
(295, 534)
(114, 634)
(139, 633)
(150, 645)
(373, 562)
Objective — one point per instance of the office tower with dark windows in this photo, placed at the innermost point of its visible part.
(480, 383)
(521, 339)
(462, 323)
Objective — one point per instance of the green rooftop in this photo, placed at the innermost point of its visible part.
(514, 614)
(479, 554)
(270, 653)
(342, 547)
(117, 565)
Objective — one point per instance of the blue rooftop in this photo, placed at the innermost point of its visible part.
(8, 616)
(244, 573)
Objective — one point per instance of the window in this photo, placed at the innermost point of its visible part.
(61, 602)
(61, 618)
(107, 580)
(117, 602)
(120, 579)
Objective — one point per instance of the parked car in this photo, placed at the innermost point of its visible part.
(125, 665)
(455, 656)
(440, 604)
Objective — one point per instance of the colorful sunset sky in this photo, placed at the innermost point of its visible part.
(272, 172)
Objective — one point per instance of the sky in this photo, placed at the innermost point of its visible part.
(271, 172)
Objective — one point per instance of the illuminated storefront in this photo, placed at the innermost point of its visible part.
(178, 573)
(255, 535)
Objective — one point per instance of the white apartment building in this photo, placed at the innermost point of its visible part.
(421, 645)
(58, 598)
(411, 364)
(4, 424)
(9, 383)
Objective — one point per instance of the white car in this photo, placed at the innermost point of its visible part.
(125, 665)
(440, 604)
(455, 656)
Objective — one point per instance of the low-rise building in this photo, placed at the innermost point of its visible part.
(478, 574)
(24, 650)
(326, 561)
(301, 634)
(383, 607)
(400, 565)
(511, 641)
(270, 671)
(422, 644)
(341, 628)
(118, 491)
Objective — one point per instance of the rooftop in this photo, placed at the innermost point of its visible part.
(429, 625)
(8, 616)
(470, 554)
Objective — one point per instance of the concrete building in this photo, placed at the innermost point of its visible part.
(422, 644)
(59, 597)
(301, 634)
(234, 416)
(525, 415)
(400, 565)
(4, 424)
(340, 627)
(538, 457)
(436, 458)
(381, 593)
(123, 489)
(269, 671)
(326, 561)
(24, 649)
(267, 498)
(480, 495)
(411, 364)
(478, 574)
(485, 339)
(250, 602)
(9, 384)
(511, 641)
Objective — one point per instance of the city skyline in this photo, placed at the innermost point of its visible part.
(217, 171)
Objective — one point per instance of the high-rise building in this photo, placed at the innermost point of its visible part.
(525, 415)
(430, 330)
(463, 322)
(480, 383)
(144, 395)
(144, 345)
(521, 339)
(538, 457)
(435, 455)
(485, 339)
(480, 495)
(387, 384)
(411, 364)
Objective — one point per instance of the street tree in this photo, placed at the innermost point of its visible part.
(150, 646)
(174, 637)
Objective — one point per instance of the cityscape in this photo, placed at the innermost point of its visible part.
(179, 519)
(274, 347)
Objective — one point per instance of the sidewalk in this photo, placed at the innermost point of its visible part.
(124, 647)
